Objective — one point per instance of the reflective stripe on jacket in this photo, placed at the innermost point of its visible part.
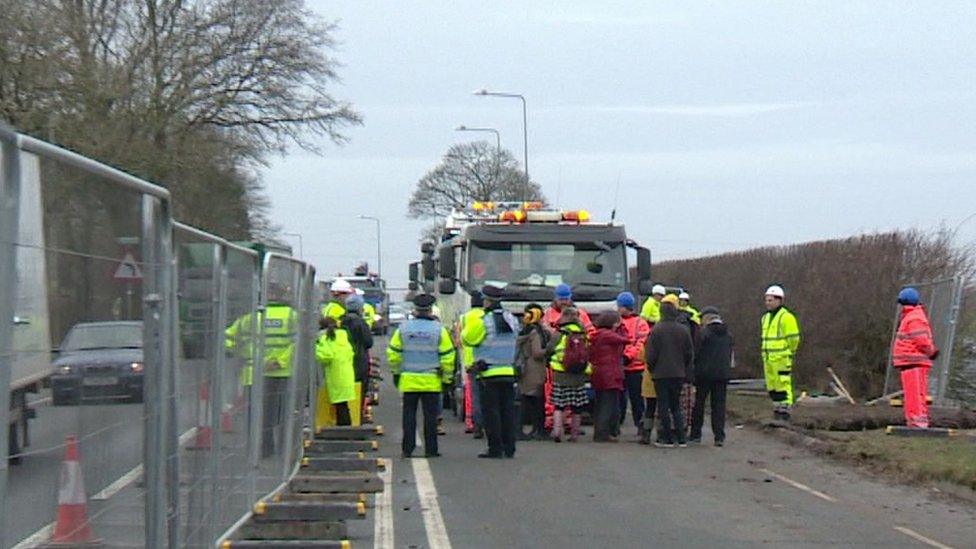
(780, 338)
(637, 330)
(421, 381)
(913, 342)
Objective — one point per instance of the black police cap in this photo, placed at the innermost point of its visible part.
(424, 301)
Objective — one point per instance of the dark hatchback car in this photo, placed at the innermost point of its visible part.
(99, 361)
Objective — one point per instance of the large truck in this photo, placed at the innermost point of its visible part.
(527, 249)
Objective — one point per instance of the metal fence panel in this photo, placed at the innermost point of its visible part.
(961, 386)
(941, 301)
(148, 415)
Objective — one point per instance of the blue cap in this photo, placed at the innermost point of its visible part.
(354, 303)
(908, 296)
(563, 291)
(626, 299)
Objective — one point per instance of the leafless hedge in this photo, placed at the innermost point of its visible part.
(843, 292)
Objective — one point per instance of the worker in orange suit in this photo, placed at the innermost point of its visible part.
(913, 353)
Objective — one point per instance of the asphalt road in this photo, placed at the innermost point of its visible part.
(753, 492)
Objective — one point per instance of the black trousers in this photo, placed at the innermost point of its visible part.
(498, 414)
(714, 392)
(606, 414)
(274, 414)
(669, 410)
(431, 406)
(632, 392)
(343, 417)
(533, 412)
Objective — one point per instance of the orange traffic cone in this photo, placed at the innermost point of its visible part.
(204, 434)
(72, 528)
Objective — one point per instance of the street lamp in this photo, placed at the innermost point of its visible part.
(301, 255)
(498, 137)
(379, 255)
(525, 126)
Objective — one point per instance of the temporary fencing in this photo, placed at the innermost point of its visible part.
(156, 378)
(943, 302)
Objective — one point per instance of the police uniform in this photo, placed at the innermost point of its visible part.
(492, 339)
(421, 356)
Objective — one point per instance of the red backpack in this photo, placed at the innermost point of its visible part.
(576, 354)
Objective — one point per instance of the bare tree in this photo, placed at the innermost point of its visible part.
(471, 172)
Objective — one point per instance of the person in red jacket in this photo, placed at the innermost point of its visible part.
(913, 354)
(606, 358)
(637, 330)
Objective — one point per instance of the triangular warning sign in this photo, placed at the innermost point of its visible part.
(128, 269)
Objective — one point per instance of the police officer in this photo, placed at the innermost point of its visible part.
(421, 357)
(780, 341)
(280, 329)
(493, 341)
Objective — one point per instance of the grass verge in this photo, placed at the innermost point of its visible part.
(911, 460)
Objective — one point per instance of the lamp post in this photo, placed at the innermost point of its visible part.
(498, 137)
(525, 125)
(301, 254)
(379, 255)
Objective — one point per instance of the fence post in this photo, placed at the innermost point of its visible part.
(220, 278)
(9, 220)
(958, 284)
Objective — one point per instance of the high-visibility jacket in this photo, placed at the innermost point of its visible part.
(336, 356)
(494, 346)
(280, 330)
(693, 313)
(651, 311)
(334, 310)
(556, 362)
(637, 331)
(551, 319)
(467, 351)
(422, 355)
(913, 342)
(369, 314)
(780, 338)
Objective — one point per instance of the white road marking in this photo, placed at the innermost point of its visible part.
(383, 523)
(799, 485)
(36, 538)
(913, 534)
(429, 507)
(44, 533)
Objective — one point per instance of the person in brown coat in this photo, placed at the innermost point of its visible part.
(530, 360)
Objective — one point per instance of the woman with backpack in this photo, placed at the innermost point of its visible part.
(569, 349)
(530, 361)
(607, 359)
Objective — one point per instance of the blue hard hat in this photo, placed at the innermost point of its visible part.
(563, 291)
(909, 296)
(354, 303)
(626, 299)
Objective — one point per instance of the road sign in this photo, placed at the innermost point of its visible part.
(128, 269)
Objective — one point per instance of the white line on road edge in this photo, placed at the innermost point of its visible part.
(913, 534)
(383, 523)
(429, 508)
(801, 486)
(44, 533)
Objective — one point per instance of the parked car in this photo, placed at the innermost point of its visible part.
(99, 361)
(397, 315)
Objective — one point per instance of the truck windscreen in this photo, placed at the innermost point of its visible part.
(590, 267)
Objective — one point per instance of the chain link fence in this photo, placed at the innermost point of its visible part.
(943, 303)
(155, 378)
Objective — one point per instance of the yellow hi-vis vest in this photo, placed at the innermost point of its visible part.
(496, 349)
(280, 330)
(556, 362)
(780, 338)
(651, 311)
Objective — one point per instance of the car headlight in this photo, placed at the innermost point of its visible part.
(65, 369)
(136, 367)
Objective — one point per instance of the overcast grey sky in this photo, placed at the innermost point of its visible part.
(728, 124)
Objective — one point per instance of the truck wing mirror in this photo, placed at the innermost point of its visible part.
(427, 265)
(446, 263)
(414, 272)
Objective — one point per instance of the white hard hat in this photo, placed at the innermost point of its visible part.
(776, 291)
(684, 296)
(658, 290)
(341, 286)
